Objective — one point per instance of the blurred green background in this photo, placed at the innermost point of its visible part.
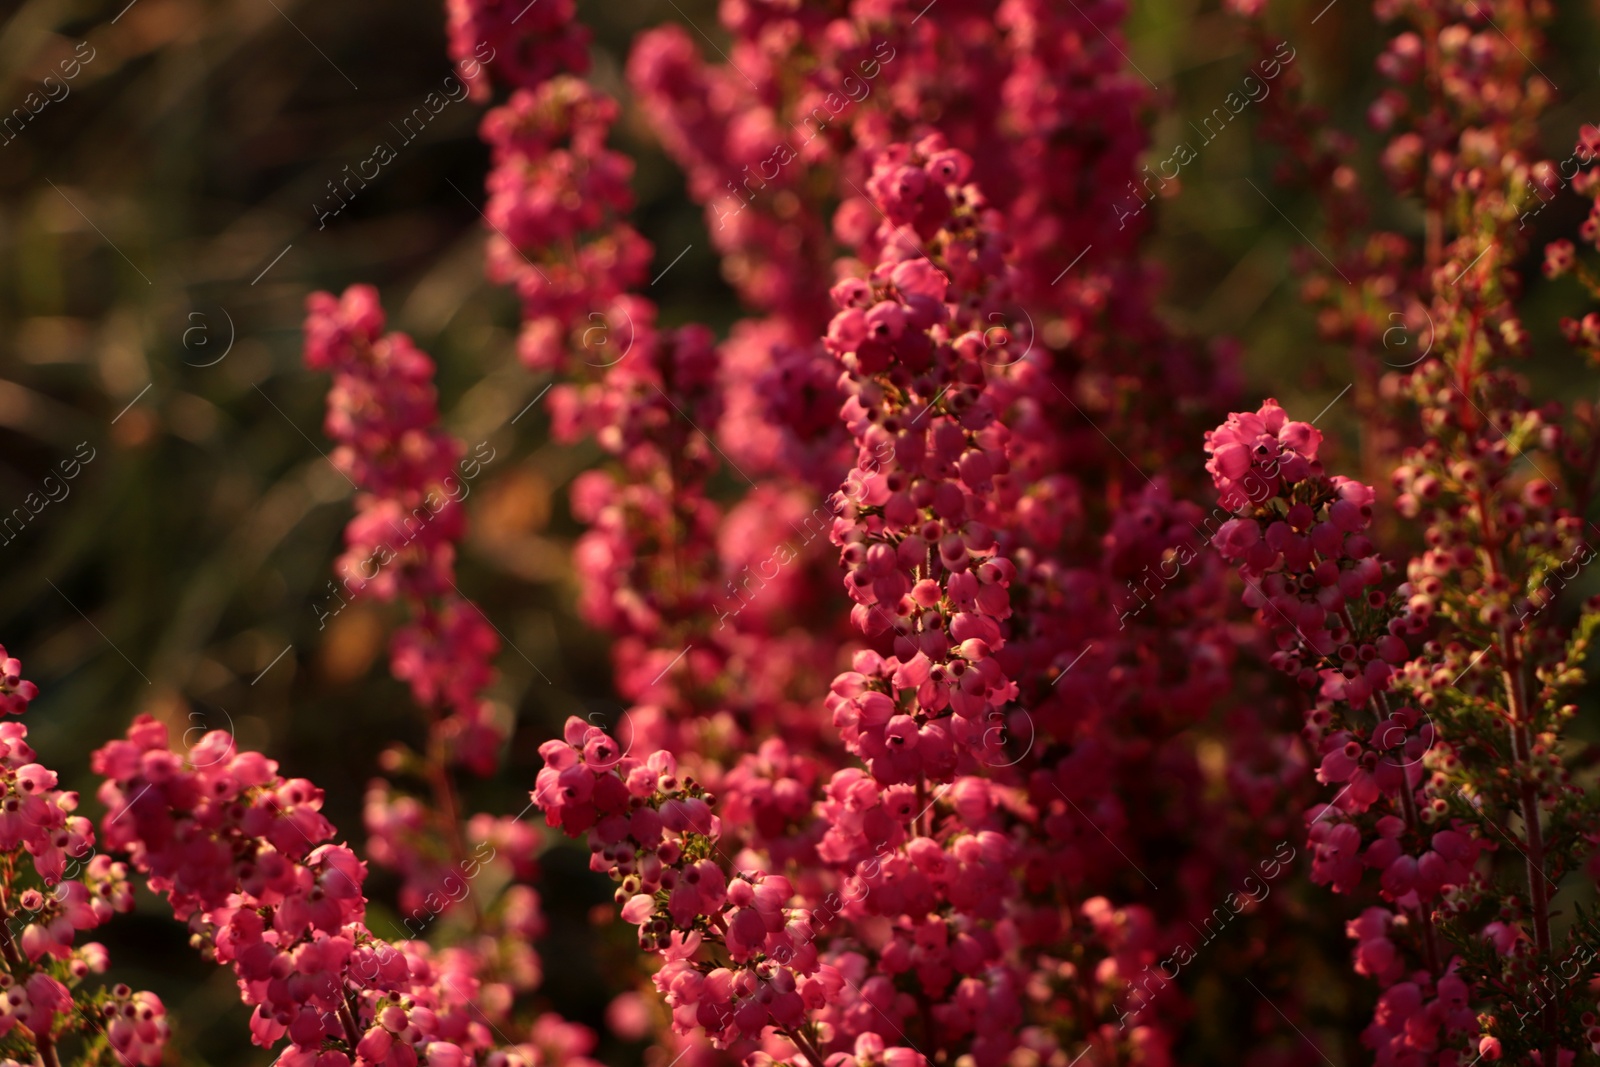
(162, 210)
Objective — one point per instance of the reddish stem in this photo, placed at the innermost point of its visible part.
(806, 1047)
(444, 795)
(1408, 807)
(1528, 797)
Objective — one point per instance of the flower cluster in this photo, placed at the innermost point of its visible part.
(1312, 571)
(1307, 581)
(383, 412)
(244, 856)
(556, 195)
(15, 691)
(54, 885)
(529, 44)
(655, 834)
(915, 531)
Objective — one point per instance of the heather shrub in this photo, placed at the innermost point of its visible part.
(1003, 681)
